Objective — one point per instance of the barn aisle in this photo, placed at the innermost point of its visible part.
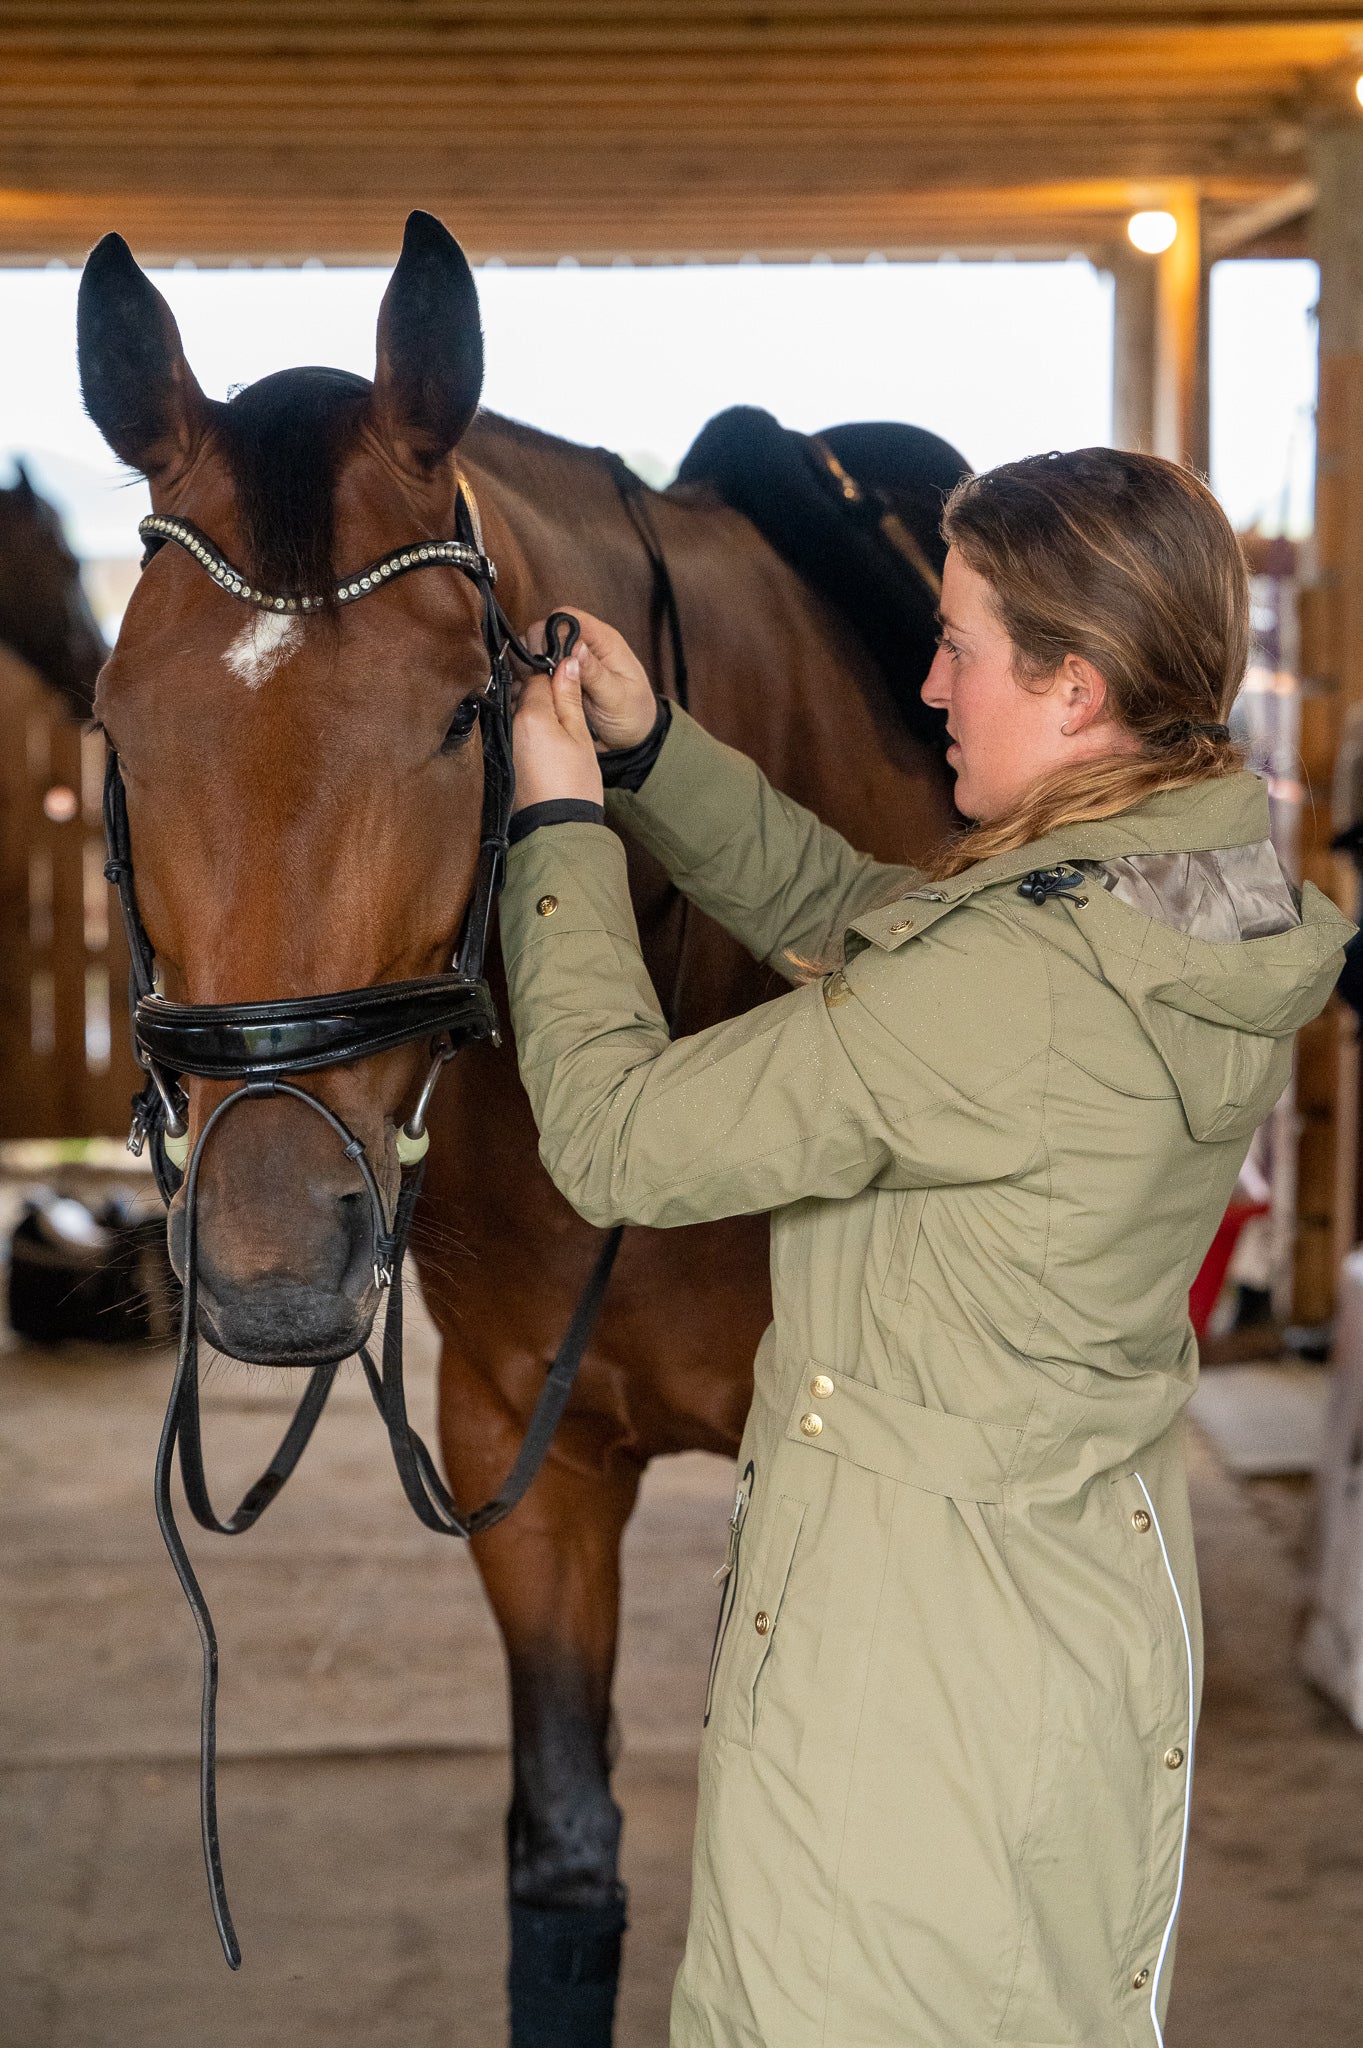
(364, 1772)
(364, 1769)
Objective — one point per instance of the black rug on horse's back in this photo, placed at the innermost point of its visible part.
(863, 529)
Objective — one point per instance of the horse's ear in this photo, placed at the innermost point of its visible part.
(22, 487)
(138, 389)
(430, 347)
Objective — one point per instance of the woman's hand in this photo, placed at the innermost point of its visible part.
(616, 693)
(552, 743)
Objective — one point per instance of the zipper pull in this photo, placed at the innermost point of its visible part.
(735, 1529)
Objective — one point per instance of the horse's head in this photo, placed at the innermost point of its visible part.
(45, 616)
(304, 791)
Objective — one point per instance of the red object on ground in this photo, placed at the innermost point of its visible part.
(1210, 1280)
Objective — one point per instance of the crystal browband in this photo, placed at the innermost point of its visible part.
(163, 526)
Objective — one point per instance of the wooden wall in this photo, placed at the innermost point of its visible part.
(1329, 1210)
(65, 1067)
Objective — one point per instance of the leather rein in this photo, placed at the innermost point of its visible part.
(264, 1046)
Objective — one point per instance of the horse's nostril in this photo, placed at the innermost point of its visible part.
(357, 1227)
(175, 1240)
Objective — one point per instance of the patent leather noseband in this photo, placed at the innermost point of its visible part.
(265, 1047)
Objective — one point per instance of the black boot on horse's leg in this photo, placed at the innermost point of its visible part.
(563, 1839)
(565, 1969)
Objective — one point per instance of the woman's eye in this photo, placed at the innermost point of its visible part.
(460, 726)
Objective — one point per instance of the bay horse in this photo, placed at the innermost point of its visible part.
(45, 616)
(304, 809)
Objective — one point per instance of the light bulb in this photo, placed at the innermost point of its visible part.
(1152, 233)
(1358, 90)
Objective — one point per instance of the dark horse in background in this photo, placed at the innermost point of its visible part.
(304, 805)
(45, 616)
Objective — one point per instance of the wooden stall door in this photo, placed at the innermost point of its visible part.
(66, 1070)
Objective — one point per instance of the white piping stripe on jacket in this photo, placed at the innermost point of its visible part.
(1188, 1784)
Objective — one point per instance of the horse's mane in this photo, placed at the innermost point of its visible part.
(284, 438)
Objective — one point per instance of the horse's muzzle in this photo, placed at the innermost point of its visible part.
(297, 1310)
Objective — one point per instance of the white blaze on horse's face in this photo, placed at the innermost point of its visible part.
(264, 642)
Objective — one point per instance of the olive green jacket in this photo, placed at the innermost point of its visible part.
(947, 1761)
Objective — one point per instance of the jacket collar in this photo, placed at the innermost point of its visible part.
(1200, 818)
(1231, 811)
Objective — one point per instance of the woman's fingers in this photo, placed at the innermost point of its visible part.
(618, 698)
(552, 743)
(566, 686)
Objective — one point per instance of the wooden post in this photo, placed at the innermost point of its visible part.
(1332, 662)
(1159, 356)
(1133, 350)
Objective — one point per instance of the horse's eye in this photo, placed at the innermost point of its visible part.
(461, 725)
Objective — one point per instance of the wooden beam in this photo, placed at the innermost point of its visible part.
(1133, 349)
(240, 127)
(1181, 431)
(1159, 357)
(1327, 1056)
(1250, 224)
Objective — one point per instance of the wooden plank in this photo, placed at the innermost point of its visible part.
(822, 21)
(63, 959)
(240, 128)
(1133, 349)
(1332, 1154)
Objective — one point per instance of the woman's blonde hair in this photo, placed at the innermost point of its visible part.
(1129, 561)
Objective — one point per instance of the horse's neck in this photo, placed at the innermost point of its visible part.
(772, 671)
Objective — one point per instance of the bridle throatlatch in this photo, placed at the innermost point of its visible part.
(263, 1046)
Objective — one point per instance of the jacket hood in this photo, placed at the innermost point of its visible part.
(1221, 1015)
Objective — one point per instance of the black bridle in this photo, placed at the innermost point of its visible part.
(263, 1046)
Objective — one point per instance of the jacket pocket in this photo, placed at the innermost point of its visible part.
(767, 1600)
(929, 1448)
(728, 1577)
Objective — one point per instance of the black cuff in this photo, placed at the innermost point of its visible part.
(627, 767)
(557, 810)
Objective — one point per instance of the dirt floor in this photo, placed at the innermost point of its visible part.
(364, 1771)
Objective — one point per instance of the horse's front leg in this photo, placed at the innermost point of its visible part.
(552, 1573)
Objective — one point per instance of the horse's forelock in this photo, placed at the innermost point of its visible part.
(284, 439)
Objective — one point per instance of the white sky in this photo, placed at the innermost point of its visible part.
(1001, 358)
(1263, 392)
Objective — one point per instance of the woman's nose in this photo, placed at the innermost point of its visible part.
(936, 690)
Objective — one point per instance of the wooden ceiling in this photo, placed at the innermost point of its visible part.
(284, 129)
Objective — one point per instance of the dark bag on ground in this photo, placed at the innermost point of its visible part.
(102, 1276)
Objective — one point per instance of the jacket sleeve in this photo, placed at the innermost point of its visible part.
(777, 879)
(878, 1074)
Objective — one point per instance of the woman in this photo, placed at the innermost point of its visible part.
(946, 1771)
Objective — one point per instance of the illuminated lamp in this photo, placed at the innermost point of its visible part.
(1152, 233)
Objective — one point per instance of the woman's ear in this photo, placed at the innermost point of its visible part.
(1081, 694)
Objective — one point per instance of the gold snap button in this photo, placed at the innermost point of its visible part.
(1140, 1521)
(762, 1623)
(1172, 1759)
(811, 1424)
(1140, 1980)
(821, 1386)
(547, 905)
(835, 990)
(902, 924)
